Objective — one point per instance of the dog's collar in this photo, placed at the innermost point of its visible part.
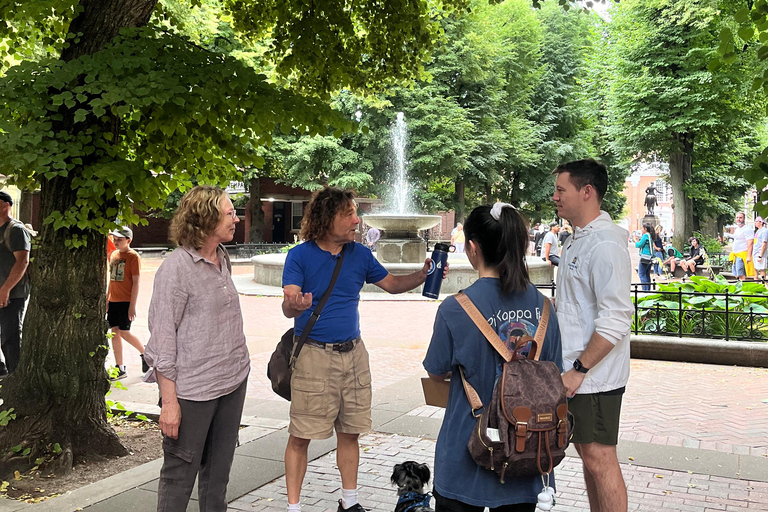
(413, 500)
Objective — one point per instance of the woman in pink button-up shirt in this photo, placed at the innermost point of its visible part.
(198, 353)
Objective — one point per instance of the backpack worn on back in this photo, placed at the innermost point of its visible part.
(526, 427)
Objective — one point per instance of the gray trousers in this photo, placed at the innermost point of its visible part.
(204, 449)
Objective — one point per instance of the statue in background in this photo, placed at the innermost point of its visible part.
(650, 198)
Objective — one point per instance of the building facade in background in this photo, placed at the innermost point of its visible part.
(643, 174)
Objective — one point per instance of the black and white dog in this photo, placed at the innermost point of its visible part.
(410, 478)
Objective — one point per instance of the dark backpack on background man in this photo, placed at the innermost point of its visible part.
(526, 427)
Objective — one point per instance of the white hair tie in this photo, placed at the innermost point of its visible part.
(496, 210)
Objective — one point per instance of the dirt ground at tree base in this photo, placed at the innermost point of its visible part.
(142, 438)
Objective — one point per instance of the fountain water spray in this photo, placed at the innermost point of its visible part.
(400, 242)
(402, 190)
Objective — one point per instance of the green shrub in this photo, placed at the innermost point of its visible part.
(705, 315)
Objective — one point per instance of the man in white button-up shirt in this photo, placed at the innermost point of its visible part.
(594, 310)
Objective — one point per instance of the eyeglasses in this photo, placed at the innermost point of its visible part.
(231, 214)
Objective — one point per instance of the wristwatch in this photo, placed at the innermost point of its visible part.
(579, 367)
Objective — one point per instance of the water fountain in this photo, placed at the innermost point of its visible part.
(400, 241)
(401, 250)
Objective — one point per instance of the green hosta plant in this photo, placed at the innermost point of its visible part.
(699, 307)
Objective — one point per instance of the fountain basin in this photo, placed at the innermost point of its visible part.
(401, 226)
(400, 241)
(268, 270)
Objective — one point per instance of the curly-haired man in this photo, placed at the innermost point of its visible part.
(331, 383)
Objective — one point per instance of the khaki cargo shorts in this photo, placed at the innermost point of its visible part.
(330, 390)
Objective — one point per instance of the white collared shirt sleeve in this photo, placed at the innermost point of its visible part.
(610, 278)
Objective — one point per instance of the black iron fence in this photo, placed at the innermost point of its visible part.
(695, 314)
(244, 251)
(720, 260)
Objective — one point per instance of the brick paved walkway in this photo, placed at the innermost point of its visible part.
(677, 404)
(709, 407)
(649, 489)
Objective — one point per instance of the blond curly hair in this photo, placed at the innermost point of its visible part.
(197, 216)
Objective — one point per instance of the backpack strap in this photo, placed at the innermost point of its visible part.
(495, 341)
(484, 327)
(541, 330)
(7, 234)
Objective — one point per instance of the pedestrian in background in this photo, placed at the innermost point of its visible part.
(15, 244)
(550, 251)
(658, 250)
(695, 257)
(122, 294)
(457, 238)
(741, 252)
(198, 353)
(372, 238)
(645, 244)
(759, 247)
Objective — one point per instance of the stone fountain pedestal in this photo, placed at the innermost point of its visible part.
(400, 241)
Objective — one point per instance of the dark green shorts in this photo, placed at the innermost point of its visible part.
(596, 418)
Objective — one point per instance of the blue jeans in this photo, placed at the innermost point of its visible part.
(739, 269)
(658, 255)
(11, 318)
(644, 271)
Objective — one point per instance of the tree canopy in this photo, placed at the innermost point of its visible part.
(109, 105)
(664, 99)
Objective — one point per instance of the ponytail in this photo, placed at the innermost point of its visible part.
(503, 243)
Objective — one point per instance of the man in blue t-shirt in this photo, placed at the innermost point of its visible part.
(331, 382)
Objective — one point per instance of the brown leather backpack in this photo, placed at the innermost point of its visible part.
(530, 426)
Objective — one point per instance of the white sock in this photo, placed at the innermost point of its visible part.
(121, 367)
(348, 497)
(294, 507)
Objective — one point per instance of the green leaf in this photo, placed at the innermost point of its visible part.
(742, 15)
(746, 33)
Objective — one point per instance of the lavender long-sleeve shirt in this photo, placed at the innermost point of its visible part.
(196, 327)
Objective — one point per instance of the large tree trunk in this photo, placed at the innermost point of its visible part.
(256, 233)
(25, 207)
(57, 391)
(708, 227)
(680, 164)
(460, 208)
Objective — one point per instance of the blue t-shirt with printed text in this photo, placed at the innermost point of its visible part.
(456, 341)
(311, 268)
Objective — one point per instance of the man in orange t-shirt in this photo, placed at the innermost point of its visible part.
(123, 291)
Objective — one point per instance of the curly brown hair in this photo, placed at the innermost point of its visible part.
(197, 216)
(322, 209)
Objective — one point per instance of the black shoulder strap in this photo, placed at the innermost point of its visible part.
(319, 308)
